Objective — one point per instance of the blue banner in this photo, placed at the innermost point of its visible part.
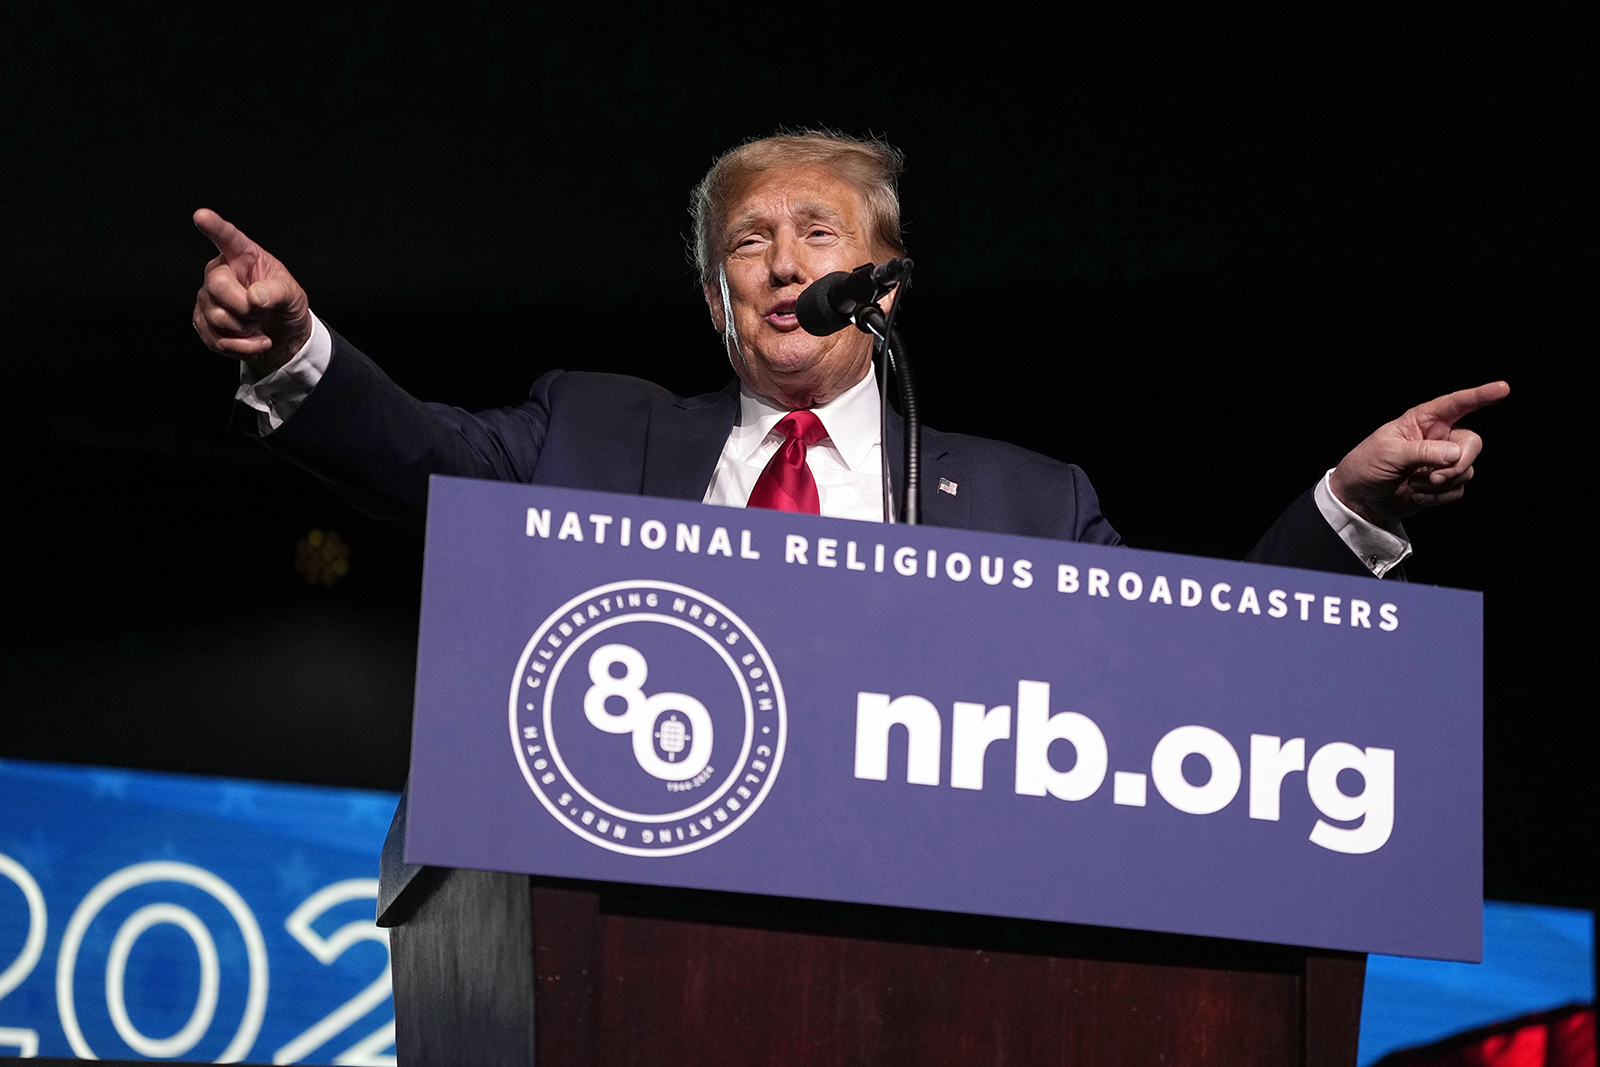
(1535, 958)
(162, 916)
(661, 692)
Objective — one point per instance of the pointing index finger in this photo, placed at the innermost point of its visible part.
(229, 239)
(1454, 406)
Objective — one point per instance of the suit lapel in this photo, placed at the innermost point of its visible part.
(938, 508)
(684, 441)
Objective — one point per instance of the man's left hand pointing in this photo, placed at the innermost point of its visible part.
(1420, 460)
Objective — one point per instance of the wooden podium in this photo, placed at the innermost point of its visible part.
(502, 969)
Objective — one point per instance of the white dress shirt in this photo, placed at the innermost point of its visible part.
(846, 464)
(276, 396)
(1380, 549)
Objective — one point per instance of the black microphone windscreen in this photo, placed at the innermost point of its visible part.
(891, 271)
(814, 308)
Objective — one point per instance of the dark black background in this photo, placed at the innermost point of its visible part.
(1235, 247)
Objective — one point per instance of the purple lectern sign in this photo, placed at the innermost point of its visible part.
(637, 690)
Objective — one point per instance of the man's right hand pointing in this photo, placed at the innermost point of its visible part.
(250, 306)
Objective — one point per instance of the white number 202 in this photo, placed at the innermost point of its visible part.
(25, 1041)
(368, 1052)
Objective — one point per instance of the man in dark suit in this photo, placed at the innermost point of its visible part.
(797, 429)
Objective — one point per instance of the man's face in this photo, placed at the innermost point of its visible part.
(791, 228)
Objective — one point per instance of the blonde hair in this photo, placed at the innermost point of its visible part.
(872, 165)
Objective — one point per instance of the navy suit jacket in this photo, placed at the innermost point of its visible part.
(376, 445)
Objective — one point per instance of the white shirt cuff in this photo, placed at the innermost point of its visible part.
(276, 396)
(1379, 548)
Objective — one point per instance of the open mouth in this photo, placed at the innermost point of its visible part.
(782, 315)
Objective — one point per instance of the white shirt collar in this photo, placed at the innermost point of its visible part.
(851, 419)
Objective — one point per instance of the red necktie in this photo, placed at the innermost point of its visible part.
(786, 483)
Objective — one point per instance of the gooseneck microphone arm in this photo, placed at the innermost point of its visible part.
(889, 514)
(911, 478)
(888, 342)
(850, 298)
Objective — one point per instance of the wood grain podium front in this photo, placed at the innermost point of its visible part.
(493, 969)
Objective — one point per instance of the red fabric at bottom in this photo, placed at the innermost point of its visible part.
(1560, 1038)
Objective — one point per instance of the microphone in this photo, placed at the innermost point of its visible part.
(850, 298)
(833, 301)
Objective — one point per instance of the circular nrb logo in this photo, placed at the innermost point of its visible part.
(648, 718)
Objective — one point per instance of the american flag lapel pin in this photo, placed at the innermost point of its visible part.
(947, 486)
